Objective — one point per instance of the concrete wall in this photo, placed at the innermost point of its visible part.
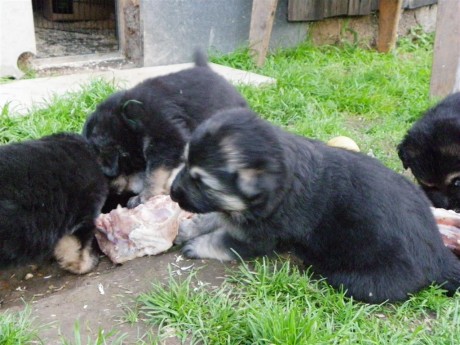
(17, 35)
(172, 29)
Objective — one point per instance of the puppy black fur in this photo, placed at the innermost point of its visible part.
(140, 133)
(431, 149)
(52, 190)
(259, 189)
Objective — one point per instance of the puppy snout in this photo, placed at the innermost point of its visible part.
(176, 193)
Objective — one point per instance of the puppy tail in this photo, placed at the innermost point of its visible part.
(200, 58)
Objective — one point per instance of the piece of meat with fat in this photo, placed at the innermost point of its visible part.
(149, 229)
(449, 226)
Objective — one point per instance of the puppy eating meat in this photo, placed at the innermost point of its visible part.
(431, 149)
(259, 190)
(52, 191)
(140, 133)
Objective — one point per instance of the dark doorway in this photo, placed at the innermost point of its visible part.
(75, 27)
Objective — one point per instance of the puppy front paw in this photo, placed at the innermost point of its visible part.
(190, 252)
(198, 225)
(185, 232)
(134, 201)
(207, 247)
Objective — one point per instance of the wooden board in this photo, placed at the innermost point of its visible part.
(411, 4)
(445, 74)
(262, 17)
(389, 15)
(359, 7)
(312, 10)
(305, 10)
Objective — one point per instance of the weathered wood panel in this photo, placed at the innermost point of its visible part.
(312, 10)
(445, 73)
(305, 10)
(262, 17)
(411, 4)
(359, 7)
(389, 15)
(333, 8)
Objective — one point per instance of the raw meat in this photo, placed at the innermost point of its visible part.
(449, 226)
(149, 229)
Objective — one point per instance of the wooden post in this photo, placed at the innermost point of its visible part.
(445, 72)
(389, 14)
(262, 17)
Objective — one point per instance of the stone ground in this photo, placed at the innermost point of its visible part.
(53, 43)
(68, 38)
(97, 300)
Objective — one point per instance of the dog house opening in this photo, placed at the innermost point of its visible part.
(75, 27)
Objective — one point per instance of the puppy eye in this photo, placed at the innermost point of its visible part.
(456, 183)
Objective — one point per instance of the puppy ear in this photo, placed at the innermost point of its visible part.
(248, 182)
(132, 112)
(254, 183)
(406, 154)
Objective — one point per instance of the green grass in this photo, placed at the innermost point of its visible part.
(60, 114)
(16, 328)
(320, 92)
(273, 302)
(101, 338)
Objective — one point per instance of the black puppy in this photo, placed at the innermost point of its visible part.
(140, 133)
(356, 222)
(52, 190)
(431, 149)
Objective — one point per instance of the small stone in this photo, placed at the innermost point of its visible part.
(344, 143)
(28, 276)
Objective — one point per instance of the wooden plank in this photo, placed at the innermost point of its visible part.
(359, 7)
(262, 17)
(389, 15)
(333, 8)
(305, 10)
(445, 72)
(374, 5)
(411, 4)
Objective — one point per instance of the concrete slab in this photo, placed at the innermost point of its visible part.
(22, 94)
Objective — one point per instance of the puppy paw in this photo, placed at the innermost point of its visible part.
(134, 201)
(72, 257)
(191, 228)
(206, 247)
(185, 232)
(190, 252)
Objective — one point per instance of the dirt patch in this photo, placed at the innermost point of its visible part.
(32, 283)
(98, 300)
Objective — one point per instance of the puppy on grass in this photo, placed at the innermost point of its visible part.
(140, 133)
(431, 149)
(259, 190)
(52, 191)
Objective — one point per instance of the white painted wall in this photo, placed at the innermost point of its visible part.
(17, 35)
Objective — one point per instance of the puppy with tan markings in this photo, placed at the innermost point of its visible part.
(259, 190)
(140, 133)
(52, 191)
(431, 149)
